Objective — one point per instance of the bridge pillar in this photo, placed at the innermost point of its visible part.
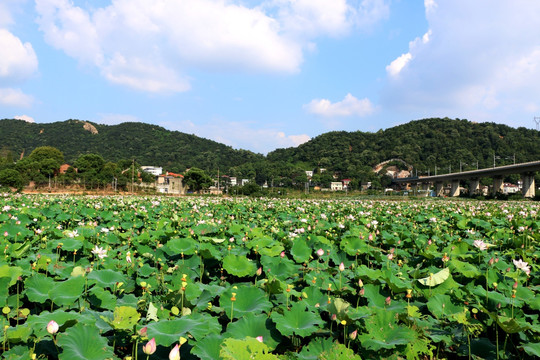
(454, 191)
(474, 186)
(497, 185)
(528, 189)
(439, 186)
(425, 190)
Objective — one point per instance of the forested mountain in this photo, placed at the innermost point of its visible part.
(148, 144)
(423, 144)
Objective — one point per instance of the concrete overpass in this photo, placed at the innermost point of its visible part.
(526, 170)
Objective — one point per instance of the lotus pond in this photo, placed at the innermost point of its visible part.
(156, 278)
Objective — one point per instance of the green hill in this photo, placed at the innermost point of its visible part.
(148, 144)
(423, 144)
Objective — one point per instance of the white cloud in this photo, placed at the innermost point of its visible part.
(152, 45)
(349, 106)
(15, 97)
(18, 60)
(114, 119)
(240, 135)
(25, 118)
(398, 64)
(479, 60)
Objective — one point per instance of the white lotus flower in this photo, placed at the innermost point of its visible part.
(522, 265)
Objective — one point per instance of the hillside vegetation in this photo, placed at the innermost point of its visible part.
(423, 144)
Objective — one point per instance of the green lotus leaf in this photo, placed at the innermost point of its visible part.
(384, 332)
(239, 266)
(353, 245)
(101, 298)
(68, 244)
(300, 251)
(106, 278)
(464, 268)
(4, 289)
(83, 342)
(64, 319)
(315, 348)
(272, 250)
(249, 348)
(532, 349)
(18, 334)
(125, 318)
(67, 292)
(208, 348)
(178, 246)
(12, 272)
(253, 326)
(17, 352)
(248, 300)
(298, 320)
(37, 288)
(435, 279)
(198, 325)
(281, 268)
(441, 306)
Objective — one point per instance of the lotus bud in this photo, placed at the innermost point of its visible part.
(352, 335)
(259, 338)
(282, 255)
(320, 252)
(515, 285)
(334, 317)
(361, 292)
(175, 353)
(143, 331)
(341, 267)
(52, 327)
(150, 347)
(388, 300)
(360, 283)
(259, 271)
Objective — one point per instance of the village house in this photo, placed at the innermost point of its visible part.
(170, 183)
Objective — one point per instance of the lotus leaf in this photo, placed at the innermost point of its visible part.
(68, 291)
(106, 278)
(435, 279)
(239, 266)
(249, 348)
(209, 347)
(253, 326)
(198, 325)
(37, 287)
(248, 300)
(83, 342)
(298, 320)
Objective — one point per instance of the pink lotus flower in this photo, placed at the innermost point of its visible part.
(259, 338)
(52, 327)
(320, 252)
(175, 353)
(150, 347)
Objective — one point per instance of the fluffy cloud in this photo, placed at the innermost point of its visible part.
(349, 106)
(18, 60)
(241, 135)
(152, 45)
(479, 60)
(15, 97)
(25, 118)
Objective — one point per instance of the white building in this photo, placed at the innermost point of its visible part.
(154, 170)
(232, 179)
(336, 186)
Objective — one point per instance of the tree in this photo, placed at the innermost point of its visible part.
(11, 178)
(47, 153)
(197, 179)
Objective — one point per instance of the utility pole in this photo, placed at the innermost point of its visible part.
(133, 177)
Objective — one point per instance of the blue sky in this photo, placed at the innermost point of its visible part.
(267, 74)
